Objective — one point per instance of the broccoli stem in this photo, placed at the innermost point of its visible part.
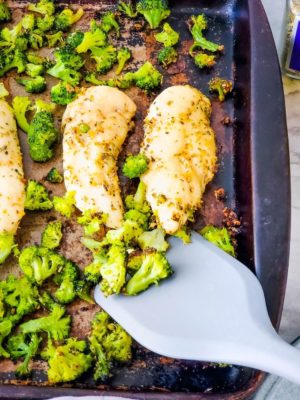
(6, 245)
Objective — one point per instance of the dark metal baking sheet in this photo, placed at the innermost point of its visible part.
(254, 171)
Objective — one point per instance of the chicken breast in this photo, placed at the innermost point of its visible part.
(180, 144)
(12, 184)
(95, 127)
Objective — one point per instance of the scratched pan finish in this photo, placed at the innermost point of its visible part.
(254, 171)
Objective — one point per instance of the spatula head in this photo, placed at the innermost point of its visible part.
(208, 310)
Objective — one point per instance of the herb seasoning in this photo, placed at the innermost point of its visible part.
(291, 51)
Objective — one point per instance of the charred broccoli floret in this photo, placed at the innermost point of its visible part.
(20, 296)
(52, 235)
(5, 14)
(109, 22)
(154, 239)
(123, 56)
(14, 59)
(37, 197)
(63, 93)
(34, 70)
(91, 222)
(219, 237)
(44, 7)
(68, 361)
(74, 39)
(65, 19)
(95, 37)
(203, 60)
(154, 268)
(105, 58)
(117, 344)
(6, 245)
(39, 263)
(33, 85)
(135, 166)
(183, 234)
(147, 77)
(99, 329)
(168, 37)
(65, 205)
(154, 11)
(21, 105)
(167, 56)
(199, 24)
(221, 86)
(54, 176)
(92, 271)
(42, 134)
(126, 7)
(113, 271)
(66, 280)
(56, 324)
(25, 347)
(68, 56)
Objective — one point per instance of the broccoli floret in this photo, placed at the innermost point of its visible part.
(113, 271)
(13, 60)
(33, 85)
(5, 14)
(23, 346)
(3, 92)
(83, 291)
(28, 22)
(42, 134)
(6, 245)
(2, 304)
(109, 22)
(203, 60)
(147, 77)
(154, 239)
(68, 56)
(105, 58)
(91, 77)
(21, 105)
(167, 56)
(69, 75)
(154, 268)
(220, 237)
(93, 38)
(47, 301)
(36, 39)
(37, 197)
(34, 70)
(67, 18)
(52, 235)
(56, 324)
(65, 205)
(54, 176)
(92, 271)
(199, 24)
(127, 8)
(10, 36)
(67, 362)
(128, 233)
(44, 7)
(154, 11)
(74, 39)
(66, 280)
(117, 344)
(54, 38)
(91, 222)
(39, 263)
(138, 201)
(183, 234)
(45, 23)
(221, 86)
(20, 295)
(123, 56)
(168, 37)
(138, 217)
(35, 58)
(135, 166)
(5, 329)
(63, 93)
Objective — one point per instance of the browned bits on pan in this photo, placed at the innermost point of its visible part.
(227, 121)
(231, 221)
(220, 194)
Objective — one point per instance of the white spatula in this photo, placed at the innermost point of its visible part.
(212, 309)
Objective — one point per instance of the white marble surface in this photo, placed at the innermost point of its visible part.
(290, 324)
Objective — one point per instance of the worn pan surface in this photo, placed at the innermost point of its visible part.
(253, 170)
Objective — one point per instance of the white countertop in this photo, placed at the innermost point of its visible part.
(290, 324)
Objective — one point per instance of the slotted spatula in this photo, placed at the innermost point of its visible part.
(211, 309)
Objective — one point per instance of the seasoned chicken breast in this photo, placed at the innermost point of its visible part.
(12, 184)
(95, 127)
(180, 144)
